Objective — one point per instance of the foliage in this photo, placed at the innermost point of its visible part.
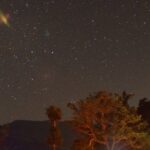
(54, 114)
(80, 144)
(105, 119)
(147, 143)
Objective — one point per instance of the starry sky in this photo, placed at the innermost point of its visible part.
(56, 51)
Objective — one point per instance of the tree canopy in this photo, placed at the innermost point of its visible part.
(105, 119)
(54, 114)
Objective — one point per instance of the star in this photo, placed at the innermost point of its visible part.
(52, 52)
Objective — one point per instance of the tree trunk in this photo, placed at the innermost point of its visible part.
(110, 146)
(113, 146)
(91, 144)
(107, 146)
(53, 127)
(54, 146)
(53, 124)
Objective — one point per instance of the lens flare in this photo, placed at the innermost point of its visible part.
(4, 19)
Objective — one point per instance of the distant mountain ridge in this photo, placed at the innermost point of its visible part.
(32, 135)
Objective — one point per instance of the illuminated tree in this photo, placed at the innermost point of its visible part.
(80, 144)
(105, 119)
(54, 114)
(147, 142)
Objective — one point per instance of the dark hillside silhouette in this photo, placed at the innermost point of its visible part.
(32, 135)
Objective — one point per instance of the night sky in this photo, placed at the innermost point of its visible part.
(56, 51)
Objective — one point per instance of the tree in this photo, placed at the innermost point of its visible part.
(80, 144)
(54, 114)
(147, 142)
(105, 119)
(144, 109)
